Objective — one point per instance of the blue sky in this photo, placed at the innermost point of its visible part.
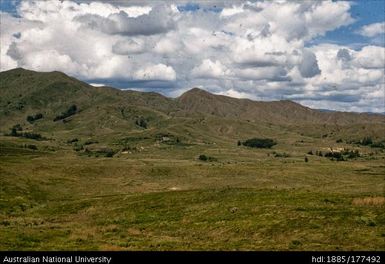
(323, 54)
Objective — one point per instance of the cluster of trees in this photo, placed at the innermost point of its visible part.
(338, 155)
(368, 141)
(33, 118)
(70, 111)
(16, 132)
(258, 143)
(206, 158)
(105, 152)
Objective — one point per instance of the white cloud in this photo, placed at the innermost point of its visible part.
(372, 30)
(159, 72)
(371, 57)
(130, 46)
(210, 69)
(258, 50)
(231, 11)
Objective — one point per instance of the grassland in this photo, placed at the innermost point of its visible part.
(120, 171)
(161, 197)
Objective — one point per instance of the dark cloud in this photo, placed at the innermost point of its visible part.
(341, 97)
(309, 65)
(14, 52)
(17, 35)
(157, 21)
(343, 55)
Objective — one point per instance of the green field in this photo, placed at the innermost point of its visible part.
(164, 198)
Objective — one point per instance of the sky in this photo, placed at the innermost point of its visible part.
(322, 54)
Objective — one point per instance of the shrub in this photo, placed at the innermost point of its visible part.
(78, 147)
(141, 122)
(70, 141)
(335, 155)
(33, 147)
(306, 159)
(351, 154)
(281, 155)
(310, 152)
(377, 145)
(366, 141)
(90, 141)
(31, 135)
(33, 118)
(203, 157)
(339, 141)
(259, 143)
(16, 128)
(206, 158)
(70, 111)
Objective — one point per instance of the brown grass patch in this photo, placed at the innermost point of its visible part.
(376, 201)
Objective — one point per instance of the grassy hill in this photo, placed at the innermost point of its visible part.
(105, 112)
(121, 170)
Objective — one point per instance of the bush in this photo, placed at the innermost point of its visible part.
(281, 155)
(33, 147)
(351, 154)
(32, 119)
(31, 136)
(366, 141)
(90, 141)
(335, 155)
(377, 145)
(78, 147)
(206, 158)
(70, 111)
(339, 141)
(306, 159)
(16, 128)
(259, 143)
(70, 141)
(203, 157)
(310, 152)
(141, 122)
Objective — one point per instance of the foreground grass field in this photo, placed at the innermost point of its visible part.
(164, 198)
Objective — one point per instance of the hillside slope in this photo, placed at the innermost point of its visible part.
(196, 116)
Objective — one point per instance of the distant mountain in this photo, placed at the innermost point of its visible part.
(110, 113)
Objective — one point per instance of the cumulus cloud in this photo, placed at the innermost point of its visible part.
(210, 69)
(158, 20)
(309, 66)
(130, 46)
(371, 57)
(372, 30)
(260, 50)
(159, 72)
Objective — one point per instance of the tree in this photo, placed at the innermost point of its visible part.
(70, 111)
(259, 143)
(203, 157)
(141, 122)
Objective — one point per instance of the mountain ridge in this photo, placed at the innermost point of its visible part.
(194, 115)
